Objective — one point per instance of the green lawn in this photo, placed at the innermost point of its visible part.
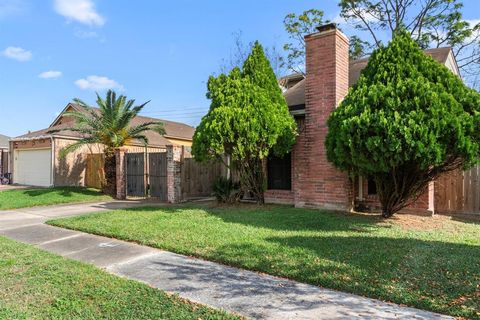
(39, 285)
(21, 198)
(432, 264)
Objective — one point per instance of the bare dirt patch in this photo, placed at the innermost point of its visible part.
(421, 222)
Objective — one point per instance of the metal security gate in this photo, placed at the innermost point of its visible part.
(135, 174)
(157, 176)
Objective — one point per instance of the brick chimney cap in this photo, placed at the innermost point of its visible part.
(327, 27)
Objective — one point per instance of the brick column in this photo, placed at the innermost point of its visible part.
(319, 183)
(121, 173)
(174, 190)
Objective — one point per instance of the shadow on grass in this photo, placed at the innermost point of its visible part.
(436, 275)
(431, 275)
(282, 218)
(61, 191)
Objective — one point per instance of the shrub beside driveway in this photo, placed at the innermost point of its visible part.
(429, 264)
(40, 285)
(22, 198)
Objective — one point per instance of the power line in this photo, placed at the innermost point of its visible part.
(178, 112)
(176, 109)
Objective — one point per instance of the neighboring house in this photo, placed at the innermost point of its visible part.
(304, 177)
(36, 155)
(4, 158)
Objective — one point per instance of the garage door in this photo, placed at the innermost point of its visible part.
(33, 167)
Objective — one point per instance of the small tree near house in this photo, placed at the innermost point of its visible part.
(248, 119)
(407, 121)
(109, 125)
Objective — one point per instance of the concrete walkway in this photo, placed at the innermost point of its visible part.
(248, 293)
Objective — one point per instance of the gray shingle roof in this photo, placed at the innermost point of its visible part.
(296, 95)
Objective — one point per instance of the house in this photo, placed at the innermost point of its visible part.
(4, 152)
(36, 155)
(304, 177)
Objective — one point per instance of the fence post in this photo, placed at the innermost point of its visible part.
(431, 197)
(121, 173)
(174, 155)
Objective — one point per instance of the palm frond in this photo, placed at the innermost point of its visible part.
(141, 138)
(81, 103)
(155, 126)
(111, 125)
(139, 108)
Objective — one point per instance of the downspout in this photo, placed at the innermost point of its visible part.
(52, 174)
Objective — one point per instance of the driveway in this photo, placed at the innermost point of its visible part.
(248, 293)
(5, 187)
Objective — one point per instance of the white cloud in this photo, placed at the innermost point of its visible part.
(367, 16)
(82, 11)
(17, 53)
(85, 34)
(475, 34)
(473, 22)
(82, 34)
(50, 74)
(98, 83)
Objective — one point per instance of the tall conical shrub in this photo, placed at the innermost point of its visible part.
(407, 120)
(248, 119)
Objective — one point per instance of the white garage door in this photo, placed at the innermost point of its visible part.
(33, 167)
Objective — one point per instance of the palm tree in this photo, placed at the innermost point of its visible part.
(110, 126)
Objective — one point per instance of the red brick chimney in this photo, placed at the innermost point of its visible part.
(318, 183)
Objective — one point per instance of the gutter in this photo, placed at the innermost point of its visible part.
(44, 137)
(179, 138)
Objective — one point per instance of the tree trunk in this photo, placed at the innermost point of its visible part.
(110, 167)
(387, 214)
(252, 179)
(401, 187)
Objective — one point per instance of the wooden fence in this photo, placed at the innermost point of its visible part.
(94, 173)
(458, 192)
(197, 179)
(169, 174)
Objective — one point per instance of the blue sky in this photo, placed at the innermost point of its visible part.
(163, 51)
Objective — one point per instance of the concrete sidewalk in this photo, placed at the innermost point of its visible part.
(248, 293)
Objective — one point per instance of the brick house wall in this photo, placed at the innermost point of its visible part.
(315, 181)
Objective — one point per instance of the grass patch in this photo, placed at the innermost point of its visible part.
(436, 269)
(40, 285)
(22, 198)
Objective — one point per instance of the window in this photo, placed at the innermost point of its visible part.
(372, 187)
(279, 172)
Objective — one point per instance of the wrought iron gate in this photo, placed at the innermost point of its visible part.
(157, 175)
(135, 174)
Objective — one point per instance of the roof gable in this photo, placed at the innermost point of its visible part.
(68, 108)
